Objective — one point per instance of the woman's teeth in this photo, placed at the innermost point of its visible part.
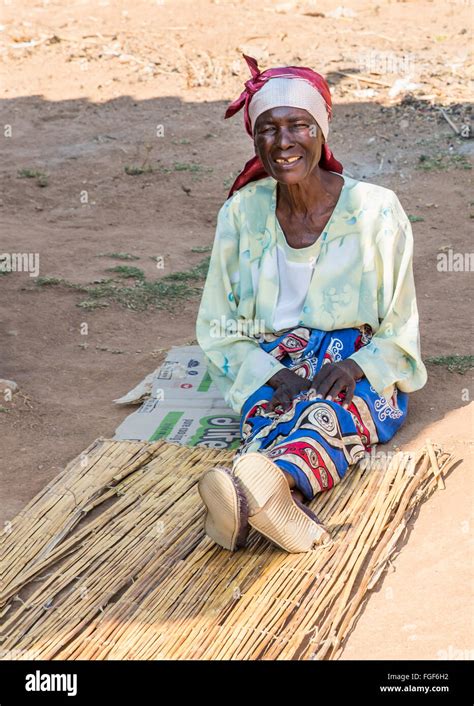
(287, 161)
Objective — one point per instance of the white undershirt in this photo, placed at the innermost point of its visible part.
(294, 278)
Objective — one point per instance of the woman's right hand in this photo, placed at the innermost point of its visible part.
(287, 385)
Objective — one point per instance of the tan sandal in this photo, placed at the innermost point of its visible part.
(227, 512)
(272, 511)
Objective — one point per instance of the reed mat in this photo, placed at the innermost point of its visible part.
(110, 561)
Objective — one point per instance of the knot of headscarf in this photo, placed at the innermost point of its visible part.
(254, 168)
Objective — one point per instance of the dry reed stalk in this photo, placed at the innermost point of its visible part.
(434, 464)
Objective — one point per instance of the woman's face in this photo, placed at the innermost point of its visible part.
(288, 142)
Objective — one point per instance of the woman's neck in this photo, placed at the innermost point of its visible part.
(312, 195)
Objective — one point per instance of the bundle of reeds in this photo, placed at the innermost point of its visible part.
(110, 561)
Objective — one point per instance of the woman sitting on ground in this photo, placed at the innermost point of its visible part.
(308, 317)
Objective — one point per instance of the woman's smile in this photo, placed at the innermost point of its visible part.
(287, 162)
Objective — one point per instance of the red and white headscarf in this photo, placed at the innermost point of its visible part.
(310, 91)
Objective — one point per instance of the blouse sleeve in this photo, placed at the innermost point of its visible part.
(393, 356)
(236, 362)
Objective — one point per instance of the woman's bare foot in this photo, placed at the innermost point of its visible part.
(298, 495)
(294, 491)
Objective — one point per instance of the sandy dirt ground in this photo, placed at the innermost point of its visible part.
(92, 90)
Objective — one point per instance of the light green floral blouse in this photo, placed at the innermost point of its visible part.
(363, 274)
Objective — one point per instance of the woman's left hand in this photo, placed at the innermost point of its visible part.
(334, 378)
